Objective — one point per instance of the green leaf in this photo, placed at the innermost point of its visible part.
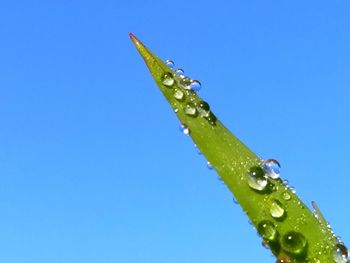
(287, 226)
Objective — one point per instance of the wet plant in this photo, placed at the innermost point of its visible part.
(293, 232)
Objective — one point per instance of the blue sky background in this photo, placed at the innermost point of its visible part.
(92, 165)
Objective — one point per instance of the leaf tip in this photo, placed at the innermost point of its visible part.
(134, 39)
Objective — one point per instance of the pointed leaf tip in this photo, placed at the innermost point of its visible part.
(134, 39)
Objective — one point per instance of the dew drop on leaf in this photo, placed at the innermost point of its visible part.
(267, 230)
(195, 85)
(294, 243)
(272, 168)
(190, 110)
(276, 209)
(209, 166)
(340, 253)
(168, 79)
(178, 94)
(184, 82)
(211, 118)
(184, 129)
(256, 178)
(170, 63)
(203, 109)
(286, 196)
(180, 72)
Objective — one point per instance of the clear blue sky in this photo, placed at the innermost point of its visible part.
(92, 165)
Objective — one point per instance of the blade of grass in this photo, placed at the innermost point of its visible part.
(286, 225)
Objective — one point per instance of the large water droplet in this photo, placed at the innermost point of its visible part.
(294, 243)
(267, 230)
(195, 85)
(168, 79)
(190, 109)
(203, 109)
(340, 254)
(170, 63)
(204, 105)
(178, 94)
(184, 129)
(256, 178)
(276, 209)
(272, 168)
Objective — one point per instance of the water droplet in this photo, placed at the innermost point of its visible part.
(340, 254)
(294, 243)
(211, 119)
(184, 81)
(180, 72)
(272, 168)
(191, 110)
(210, 167)
(176, 110)
(168, 79)
(292, 189)
(256, 178)
(170, 63)
(178, 94)
(195, 85)
(184, 129)
(203, 109)
(286, 196)
(204, 105)
(276, 209)
(267, 230)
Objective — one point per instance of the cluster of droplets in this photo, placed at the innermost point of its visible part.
(340, 251)
(184, 92)
(260, 178)
(292, 243)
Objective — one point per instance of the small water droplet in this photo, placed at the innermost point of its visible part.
(210, 167)
(180, 72)
(292, 189)
(340, 254)
(272, 168)
(184, 82)
(276, 209)
(176, 110)
(286, 196)
(170, 63)
(283, 259)
(195, 85)
(256, 178)
(184, 129)
(168, 79)
(294, 243)
(191, 110)
(211, 119)
(178, 94)
(267, 230)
